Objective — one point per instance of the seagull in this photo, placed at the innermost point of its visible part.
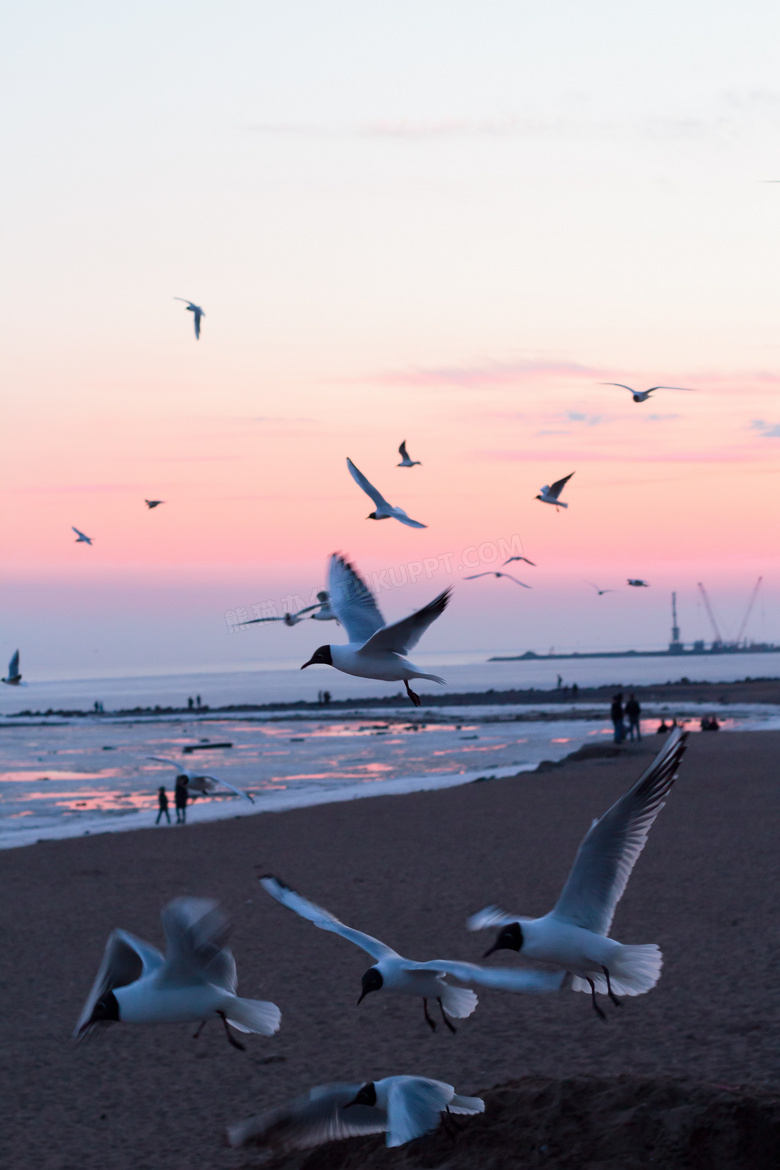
(643, 395)
(289, 619)
(14, 677)
(575, 933)
(532, 563)
(197, 314)
(549, 495)
(201, 785)
(405, 460)
(638, 583)
(600, 592)
(508, 576)
(374, 650)
(401, 1107)
(324, 611)
(80, 537)
(153, 503)
(384, 511)
(192, 983)
(403, 976)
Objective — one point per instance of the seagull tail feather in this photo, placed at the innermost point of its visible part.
(431, 678)
(253, 1015)
(460, 1104)
(633, 971)
(458, 1002)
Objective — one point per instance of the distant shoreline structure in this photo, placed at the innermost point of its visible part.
(677, 652)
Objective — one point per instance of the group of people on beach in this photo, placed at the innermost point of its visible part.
(180, 798)
(625, 720)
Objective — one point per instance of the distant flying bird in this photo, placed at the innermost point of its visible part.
(575, 933)
(600, 592)
(289, 619)
(194, 981)
(396, 975)
(201, 785)
(153, 503)
(80, 537)
(637, 583)
(197, 314)
(14, 677)
(405, 460)
(384, 511)
(532, 563)
(549, 495)
(508, 576)
(643, 395)
(374, 650)
(323, 609)
(401, 1107)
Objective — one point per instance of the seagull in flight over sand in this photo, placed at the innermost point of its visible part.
(510, 559)
(393, 973)
(549, 495)
(643, 395)
(201, 784)
(401, 1107)
(405, 460)
(374, 650)
(197, 313)
(638, 583)
(600, 592)
(508, 576)
(14, 677)
(384, 511)
(153, 503)
(80, 537)
(574, 935)
(194, 981)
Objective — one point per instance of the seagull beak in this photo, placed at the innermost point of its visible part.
(362, 996)
(309, 663)
(489, 952)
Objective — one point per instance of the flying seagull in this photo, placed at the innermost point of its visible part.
(600, 592)
(393, 973)
(323, 609)
(638, 583)
(194, 981)
(510, 559)
(289, 619)
(153, 503)
(405, 460)
(201, 785)
(401, 1107)
(643, 395)
(384, 511)
(197, 314)
(374, 650)
(574, 935)
(508, 576)
(80, 537)
(549, 495)
(14, 677)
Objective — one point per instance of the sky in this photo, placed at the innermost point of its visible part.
(438, 221)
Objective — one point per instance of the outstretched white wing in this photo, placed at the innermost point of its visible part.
(125, 960)
(511, 578)
(403, 636)
(323, 918)
(309, 1120)
(399, 514)
(196, 934)
(367, 487)
(533, 982)
(352, 601)
(218, 780)
(611, 847)
(414, 1107)
(489, 917)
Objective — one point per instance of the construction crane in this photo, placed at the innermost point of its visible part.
(749, 610)
(718, 643)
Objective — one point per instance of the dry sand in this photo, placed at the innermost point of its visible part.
(409, 869)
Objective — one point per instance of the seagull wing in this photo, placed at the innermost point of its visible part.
(511, 578)
(125, 960)
(368, 488)
(489, 917)
(622, 386)
(610, 848)
(688, 389)
(407, 520)
(558, 486)
(309, 1120)
(196, 933)
(227, 784)
(474, 577)
(323, 918)
(510, 559)
(403, 636)
(535, 982)
(352, 601)
(13, 665)
(197, 314)
(169, 762)
(414, 1107)
(254, 621)
(189, 304)
(402, 450)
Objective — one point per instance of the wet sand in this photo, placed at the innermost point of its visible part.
(408, 869)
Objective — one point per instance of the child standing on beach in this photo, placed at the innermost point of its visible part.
(162, 800)
(180, 799)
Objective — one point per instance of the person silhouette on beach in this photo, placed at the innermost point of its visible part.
(616, 715)
(162, 801)
(180, 799)
(633, 712)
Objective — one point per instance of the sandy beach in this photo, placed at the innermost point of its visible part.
(408, 869)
